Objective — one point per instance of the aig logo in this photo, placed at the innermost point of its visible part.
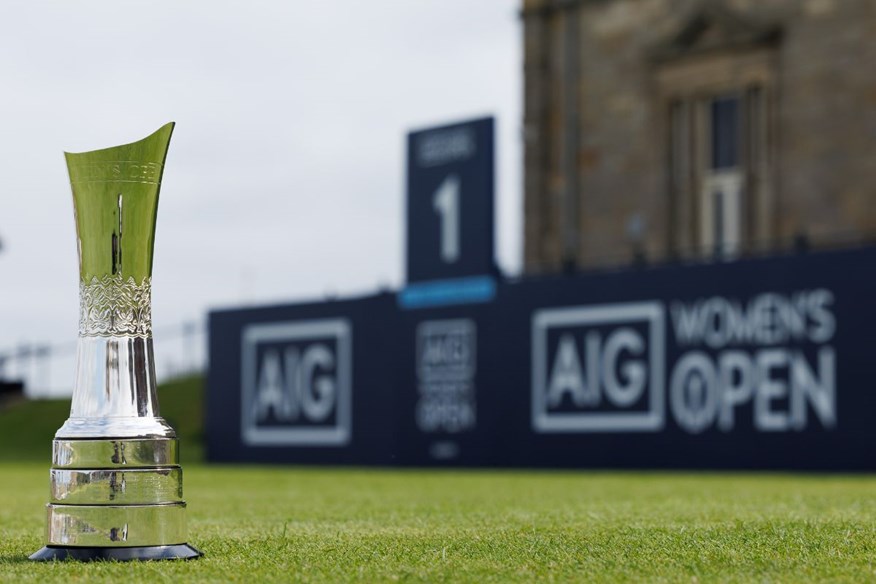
(296, 383)
(598, 368)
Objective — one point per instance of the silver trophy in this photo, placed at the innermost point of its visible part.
(116, 483)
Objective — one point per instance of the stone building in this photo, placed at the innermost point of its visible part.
(673, 129)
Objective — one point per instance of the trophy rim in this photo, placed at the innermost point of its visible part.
(167, 127)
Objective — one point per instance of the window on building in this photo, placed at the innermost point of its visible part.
(715, 145)
(717, 98)
(722, 183)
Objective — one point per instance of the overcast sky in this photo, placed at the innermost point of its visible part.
(285, 176)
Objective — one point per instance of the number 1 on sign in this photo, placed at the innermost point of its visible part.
(446, 204)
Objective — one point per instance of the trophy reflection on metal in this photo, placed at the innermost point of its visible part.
(116, 483)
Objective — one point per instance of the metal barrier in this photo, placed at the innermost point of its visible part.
(47, 370)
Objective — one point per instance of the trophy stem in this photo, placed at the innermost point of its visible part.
(115, 392)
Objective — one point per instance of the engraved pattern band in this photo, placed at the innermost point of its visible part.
(111, 306)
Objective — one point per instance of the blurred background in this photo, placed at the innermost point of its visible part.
(710, 161)
(285, 178)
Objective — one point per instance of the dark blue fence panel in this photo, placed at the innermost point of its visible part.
(752, 364)
(308, 383)
(765, 363)
(443, 390)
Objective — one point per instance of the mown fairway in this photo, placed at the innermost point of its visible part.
(285, 524)
(314, 525)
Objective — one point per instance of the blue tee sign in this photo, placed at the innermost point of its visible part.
(450, 201)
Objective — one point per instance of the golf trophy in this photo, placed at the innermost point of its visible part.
(116, 483)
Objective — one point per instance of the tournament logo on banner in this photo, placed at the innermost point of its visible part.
(601, 368)
(446, 368)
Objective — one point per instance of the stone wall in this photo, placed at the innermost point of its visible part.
(610, 172)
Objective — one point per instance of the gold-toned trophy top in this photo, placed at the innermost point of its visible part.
(115, 195)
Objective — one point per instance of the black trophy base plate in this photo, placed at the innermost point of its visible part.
(182, 551)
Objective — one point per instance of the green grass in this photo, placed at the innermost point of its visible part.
(281, 524)
(285, 524)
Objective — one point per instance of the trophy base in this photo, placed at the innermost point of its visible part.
(120, 554)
